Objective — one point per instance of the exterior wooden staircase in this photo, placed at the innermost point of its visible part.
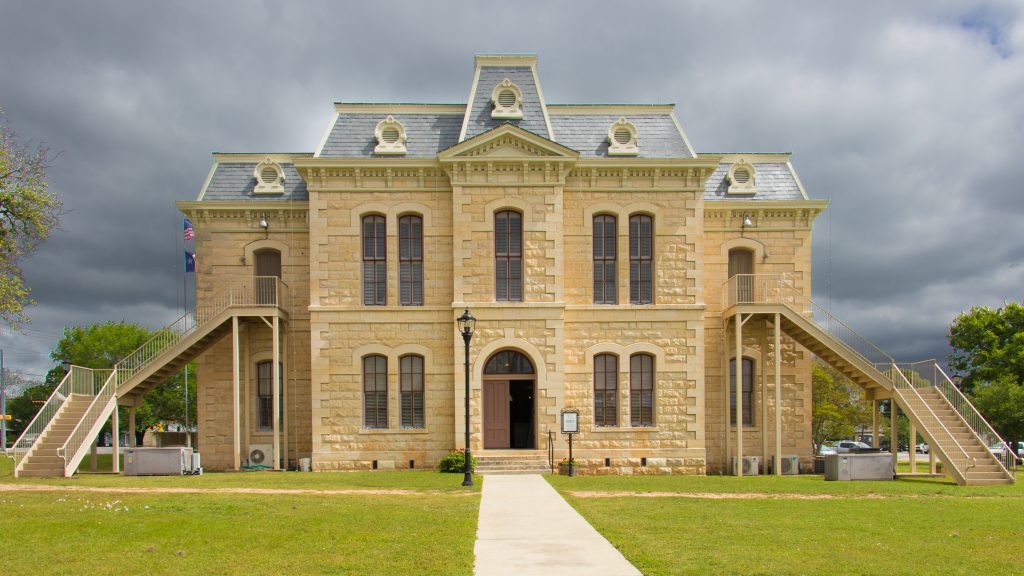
(955, 431)
(60, 435)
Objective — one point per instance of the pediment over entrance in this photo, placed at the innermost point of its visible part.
(508, 142)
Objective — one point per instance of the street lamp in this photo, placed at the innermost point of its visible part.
(466, 325)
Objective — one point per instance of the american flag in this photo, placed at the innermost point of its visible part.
(190, 234)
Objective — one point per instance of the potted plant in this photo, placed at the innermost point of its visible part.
(563, 466)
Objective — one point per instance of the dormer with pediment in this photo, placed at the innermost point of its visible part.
(508, 155)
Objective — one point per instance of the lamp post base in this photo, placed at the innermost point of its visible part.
(468, 480)
(467, 469)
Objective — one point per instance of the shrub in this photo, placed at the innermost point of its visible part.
(455, 461)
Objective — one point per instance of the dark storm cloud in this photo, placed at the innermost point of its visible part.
(907, 118)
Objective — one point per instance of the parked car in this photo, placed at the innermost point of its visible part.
(999, 448)
(921, 448)
(826, 449)
(845, 446)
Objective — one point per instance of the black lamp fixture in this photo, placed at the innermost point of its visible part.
(467, 323)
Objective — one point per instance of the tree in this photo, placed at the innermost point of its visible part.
(838, 405)
(29, 211)
(1002, 403)
(23, 408)
(988, 345)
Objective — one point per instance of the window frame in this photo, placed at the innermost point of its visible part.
(606, 398)
(638, 391)
(410, 287)
(640, 259)
(410, 393)
(375, 260)
(508, 288)
(265, 402)
(377, 396)
(602, 261)
(748, 395)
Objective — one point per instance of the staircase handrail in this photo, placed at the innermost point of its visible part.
(78, 380)
(551, 451)
(967, 459)
(956, 398)
(781, 289)
(85, 423)
(242, 292)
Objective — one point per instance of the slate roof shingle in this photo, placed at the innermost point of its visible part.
(235, 181)
(657, 134)
(426, 134)
(479, 112)
(773, 181)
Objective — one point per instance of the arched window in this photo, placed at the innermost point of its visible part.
(410, 260)
(748, 392)
(641, 259)
(508, 362)
(605, 261)
(741, 263)
(641, 390)
(508, 256)
(265, 395)
(375, 261)
(606, 389)
(412, 391)
(375, 392)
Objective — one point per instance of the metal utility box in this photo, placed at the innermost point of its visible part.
(172, 461)
(877, 466)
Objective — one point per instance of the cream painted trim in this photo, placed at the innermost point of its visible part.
(559, 152)
(484, 354)
(742, 204)
(682, 133)
(250, 249)
(469, 103)
(505, 60)
(206, 183)
(327, 133)
(796, 179)
(257, 157)
(244, 205)
(398, 108)
(709, 162)
(540, 96)
(371, 163)
(746, 244)
(609, 110)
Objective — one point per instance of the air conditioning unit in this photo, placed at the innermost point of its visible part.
(790, 465)
(261, 455)
(749, 465)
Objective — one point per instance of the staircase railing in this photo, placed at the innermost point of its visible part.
(781, 289)
(243, 292)
(551, 451)
(959, 458)
(78, 380)
(929, 373)
(84, 427)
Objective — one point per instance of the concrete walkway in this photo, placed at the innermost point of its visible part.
(526, 528)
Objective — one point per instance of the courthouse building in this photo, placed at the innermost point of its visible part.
(593, 244)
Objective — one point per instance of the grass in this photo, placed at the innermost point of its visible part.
(431, 531)
(911, 526)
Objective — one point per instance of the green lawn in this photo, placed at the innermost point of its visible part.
(430, 531)
(914, 526)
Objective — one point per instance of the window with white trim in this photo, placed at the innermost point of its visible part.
(507, 100)
(622, 138)
(390, 134)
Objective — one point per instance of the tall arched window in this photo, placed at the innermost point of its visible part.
(410, 260)
(375, 392)
(641, 390)
(412, 391)
(375, 261)
(641, 259)
(741, 263)
(748, 392)
(508, 256)
(606, 390)
(605, 261)
(265, 395)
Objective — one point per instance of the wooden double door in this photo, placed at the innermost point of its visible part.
(509, 413)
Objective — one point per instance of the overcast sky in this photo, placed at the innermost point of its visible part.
(909, 118)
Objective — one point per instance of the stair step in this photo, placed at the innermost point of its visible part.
(507, 472)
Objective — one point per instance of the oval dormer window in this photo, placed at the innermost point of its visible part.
(741, 176)
(622, 138)
(269, 177)
(507, 100)
(390, 134)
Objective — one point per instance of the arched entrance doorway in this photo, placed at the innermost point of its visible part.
(509, 401)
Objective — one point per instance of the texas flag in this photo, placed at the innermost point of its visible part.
(190, 234)
(190, 261)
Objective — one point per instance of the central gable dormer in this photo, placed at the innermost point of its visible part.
(505, 89)
(509, 155)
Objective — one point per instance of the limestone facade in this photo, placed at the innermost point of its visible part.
(456, 174)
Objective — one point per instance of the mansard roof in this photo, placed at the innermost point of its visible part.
(774, 179)
(232, 178)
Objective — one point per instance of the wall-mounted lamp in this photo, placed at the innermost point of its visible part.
(746, 221)
(265, 225)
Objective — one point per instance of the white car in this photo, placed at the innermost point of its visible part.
(825, 450)
(845, 446)
(922, 448)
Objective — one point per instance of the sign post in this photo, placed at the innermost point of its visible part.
(570, 427)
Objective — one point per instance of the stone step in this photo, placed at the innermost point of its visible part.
(512, 467)
(506, 472)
